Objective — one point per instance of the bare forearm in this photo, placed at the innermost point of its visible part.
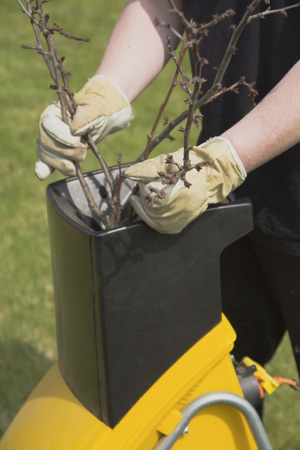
(137, 51)
(272, 127)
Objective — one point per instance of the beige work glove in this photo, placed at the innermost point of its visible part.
(102, 109)
(181, 205)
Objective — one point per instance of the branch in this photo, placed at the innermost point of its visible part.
(89, 196)
(199, 29)
(194, 36)
(168, 96)
(160, 112)
(68, 106)
(231, 49)
(269, 11)
(56, 27)
(216, 89)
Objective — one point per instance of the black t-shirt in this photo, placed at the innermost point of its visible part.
(267, 49)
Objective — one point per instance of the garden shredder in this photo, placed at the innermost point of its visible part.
(145, 355)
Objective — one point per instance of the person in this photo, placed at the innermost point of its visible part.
(255, 153)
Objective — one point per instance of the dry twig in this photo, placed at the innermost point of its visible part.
(40, 24)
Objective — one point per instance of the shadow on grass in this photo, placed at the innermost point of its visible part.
(21, 368)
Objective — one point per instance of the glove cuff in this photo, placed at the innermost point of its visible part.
(234, 154)
(114, 84)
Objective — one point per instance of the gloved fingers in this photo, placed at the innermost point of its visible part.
(157, 217)
(138, 206)
(63, 165)
(42, 170)
(155, 206)
(51, 121)
(170, 208)
(157, 193)
(148, 170)
(55, 147)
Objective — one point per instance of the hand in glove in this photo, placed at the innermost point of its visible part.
(102, 109)
(181, 205)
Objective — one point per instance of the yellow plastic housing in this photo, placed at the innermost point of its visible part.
(53, 419)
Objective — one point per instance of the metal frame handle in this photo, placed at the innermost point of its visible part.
(218, 398)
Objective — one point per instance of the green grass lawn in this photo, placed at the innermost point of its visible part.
(27, 328)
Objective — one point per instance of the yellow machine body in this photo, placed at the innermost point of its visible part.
(53, 419)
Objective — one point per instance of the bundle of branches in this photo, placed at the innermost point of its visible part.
(192, 86)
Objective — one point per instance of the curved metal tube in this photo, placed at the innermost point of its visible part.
(218, 398)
